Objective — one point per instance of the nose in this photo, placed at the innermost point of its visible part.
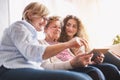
(44, 22)
(58, 28)
(70, 28)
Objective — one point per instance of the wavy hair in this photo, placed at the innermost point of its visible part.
(81, 32)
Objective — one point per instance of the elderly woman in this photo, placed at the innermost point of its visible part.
(20, 50)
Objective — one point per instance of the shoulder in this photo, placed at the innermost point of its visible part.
(17, 24)
(20, 25)
(43, 42)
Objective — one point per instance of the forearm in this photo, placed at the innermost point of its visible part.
(52, 50)
(57, 65)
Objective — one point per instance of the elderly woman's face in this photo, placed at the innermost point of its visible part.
(39, 22)
(54, 29)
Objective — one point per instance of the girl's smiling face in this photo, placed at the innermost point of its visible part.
(71, 28)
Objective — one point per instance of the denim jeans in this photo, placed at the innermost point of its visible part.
(110, 58)
(35, 74)
(110, 71)
(94, 72)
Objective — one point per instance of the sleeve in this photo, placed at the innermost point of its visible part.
(28, 46)
(58, 65)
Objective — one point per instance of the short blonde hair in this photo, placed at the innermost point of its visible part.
(36, 9)
(53, 18)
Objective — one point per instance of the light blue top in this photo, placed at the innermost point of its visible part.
(19, 46)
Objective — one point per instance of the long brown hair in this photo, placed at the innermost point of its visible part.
(81, 32)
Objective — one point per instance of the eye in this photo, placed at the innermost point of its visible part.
(45, 18)
(68, 24)
(74, 26)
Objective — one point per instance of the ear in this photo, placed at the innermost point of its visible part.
(29, 15)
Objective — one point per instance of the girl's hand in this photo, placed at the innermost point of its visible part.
(98, 58)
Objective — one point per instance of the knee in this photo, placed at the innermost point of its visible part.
(96, 74)
(110, 66)
(95, 69)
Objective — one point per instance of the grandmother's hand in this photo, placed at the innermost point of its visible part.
(81, 60)
(75, 42)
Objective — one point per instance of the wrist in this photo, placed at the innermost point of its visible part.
(67, 44)
(72, 63)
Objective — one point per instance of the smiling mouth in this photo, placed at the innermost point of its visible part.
(40, 24)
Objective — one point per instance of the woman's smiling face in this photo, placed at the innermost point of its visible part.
(71, 28)
(38, 22)
(53, 30)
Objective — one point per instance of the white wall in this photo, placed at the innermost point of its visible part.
(4, 15)
(101, 17)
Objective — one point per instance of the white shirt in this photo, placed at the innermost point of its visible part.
(19, 46)
(54, 63)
